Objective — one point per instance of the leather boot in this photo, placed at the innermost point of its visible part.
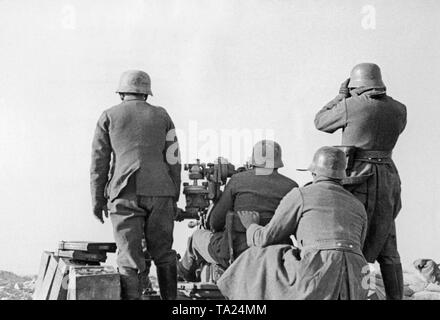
(392, 276)
(130, 285)
(167, 278)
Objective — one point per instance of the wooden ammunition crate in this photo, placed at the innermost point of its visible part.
(93, 283)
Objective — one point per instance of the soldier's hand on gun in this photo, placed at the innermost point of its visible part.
(344, 90)
(100, 212)
(248, 217)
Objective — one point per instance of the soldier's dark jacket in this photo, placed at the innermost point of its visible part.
(329, 224)
(134, 137)
(245, 191)
(371, 121)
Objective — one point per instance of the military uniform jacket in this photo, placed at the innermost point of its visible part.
(135, 139)
(329, 224)
(369, 119)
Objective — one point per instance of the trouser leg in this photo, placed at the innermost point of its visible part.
(197, 250)
(128, 221)
(196, 253)
(187, 265)
(381, 198)
(159, 238)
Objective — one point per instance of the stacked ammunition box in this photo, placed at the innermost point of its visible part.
(81, 252)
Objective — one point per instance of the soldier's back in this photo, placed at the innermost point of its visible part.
(137, 123)
(330, 212)
(374, 122)
(261, 193)
(138, 136)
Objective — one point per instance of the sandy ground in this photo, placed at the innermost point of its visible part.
(14, 287)
(417, 287)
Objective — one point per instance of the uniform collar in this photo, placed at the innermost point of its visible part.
(371, 91)
(322, 179)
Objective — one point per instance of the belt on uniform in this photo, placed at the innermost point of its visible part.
(340, 245)
(379, 156)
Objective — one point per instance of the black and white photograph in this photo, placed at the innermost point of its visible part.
(221, 154)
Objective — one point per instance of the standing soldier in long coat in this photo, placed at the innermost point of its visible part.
(135, 171)
(329, 224)
(371, 122)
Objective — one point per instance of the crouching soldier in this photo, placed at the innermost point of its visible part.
(143, 186)
(329, 224)
(260, 188)
(371, 122)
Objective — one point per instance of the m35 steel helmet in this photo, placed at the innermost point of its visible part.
(329, 162)
(135, 81)
(267, 154)
(366, 75)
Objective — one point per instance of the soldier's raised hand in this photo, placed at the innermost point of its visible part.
(248, 217)
(344, 90)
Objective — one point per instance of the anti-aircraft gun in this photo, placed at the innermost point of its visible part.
(201, 197)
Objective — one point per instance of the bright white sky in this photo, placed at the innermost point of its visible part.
(258, 65)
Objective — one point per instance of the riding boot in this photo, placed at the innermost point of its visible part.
(130, 284)
(167, 278)
(392, 276)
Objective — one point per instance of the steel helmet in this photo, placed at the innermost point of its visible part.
(366, 75)
(267, 154)
(329, 162)
(135, 81)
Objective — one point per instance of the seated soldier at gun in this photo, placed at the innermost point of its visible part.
(329, 224)
(259, 189)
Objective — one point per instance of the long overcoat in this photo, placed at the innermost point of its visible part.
(329, 224)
